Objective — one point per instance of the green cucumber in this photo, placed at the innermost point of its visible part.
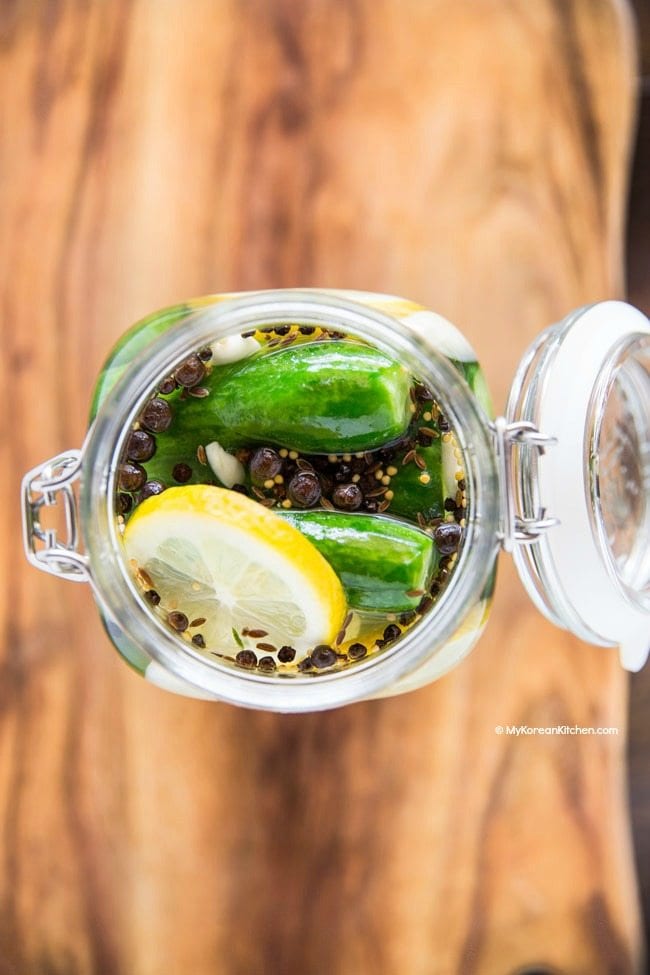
(320, 397)
(378, 559)
(410, 495)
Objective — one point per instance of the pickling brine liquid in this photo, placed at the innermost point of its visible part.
(291, 500)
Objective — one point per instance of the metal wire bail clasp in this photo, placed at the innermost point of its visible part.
(42, 487)
(517, 527)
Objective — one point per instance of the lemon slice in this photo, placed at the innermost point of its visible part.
(219, 557)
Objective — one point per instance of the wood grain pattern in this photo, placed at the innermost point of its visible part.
(472, 156)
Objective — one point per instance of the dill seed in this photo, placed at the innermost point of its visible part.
(256, 634)
(378, 493)
(201, 455)
(199, 392)
(152, 597)
(304, 465)
(286, 654)
(178, 621)
(356, 651)
(246, 658)
(327, 504)
(383, 505)
(267, 664)
(408, 457)
(422, 522)
(199, 621)
(145, 578)
(198, 641)
(414, 593)
(428, 432)
(265, 647)
(249, 334)
(420, 461)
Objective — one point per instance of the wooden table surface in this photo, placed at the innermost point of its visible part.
(469, 155)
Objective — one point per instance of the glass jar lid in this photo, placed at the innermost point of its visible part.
(581, 470)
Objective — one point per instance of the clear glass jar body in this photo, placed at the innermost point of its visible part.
(430, 348)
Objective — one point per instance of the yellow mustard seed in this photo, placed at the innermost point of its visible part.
(379, 474)
(359, 454)
(391, 471)
(332, 458)
(389, 496)
(286, 503)
(356, 478)
(347, 457)
(385, 480)
(284, 452)
(427, 416)
(424, 478)
(412, 407)
(293, 455)
(446, 438)
(269, 482)
(278, 479)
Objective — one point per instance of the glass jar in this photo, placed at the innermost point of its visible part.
(562, 481)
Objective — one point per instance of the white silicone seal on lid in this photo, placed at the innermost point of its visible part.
(589, 587)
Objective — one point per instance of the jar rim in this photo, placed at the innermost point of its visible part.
(115, 590)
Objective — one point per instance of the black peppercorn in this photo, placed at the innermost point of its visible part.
(191, 372)
(391, 632)
(264, 464)
(246, 658)
(157, 415)
(267, 664)
(348, 497)
(167, 386)
(182, 473)
(356, 651)
(131, 477)
(178, 621)
(323, 656)
(124, 504)
(150, 489)
(286, 654)
(140, 445)
(447, 537)
(304, 489)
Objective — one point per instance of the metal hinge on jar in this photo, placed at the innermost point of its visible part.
(516, 527)
(46, 486)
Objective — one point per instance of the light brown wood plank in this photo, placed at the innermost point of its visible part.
(469, 155)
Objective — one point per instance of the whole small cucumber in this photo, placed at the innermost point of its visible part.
(378, 559)
(319, 397)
